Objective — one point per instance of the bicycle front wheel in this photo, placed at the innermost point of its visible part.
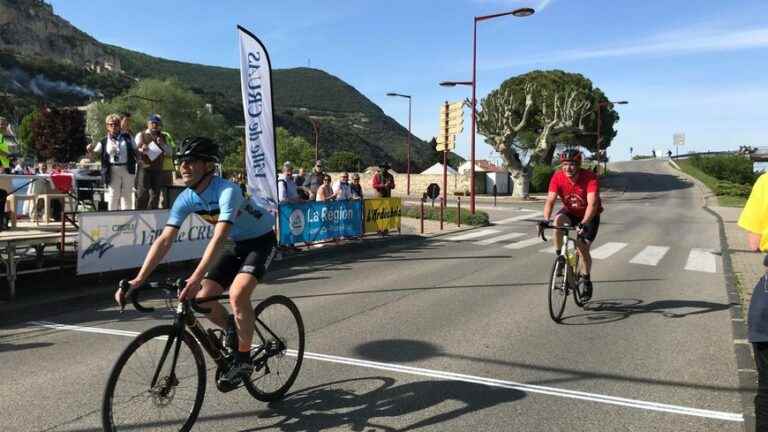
(558, 292)
(279, 334)
(157, 384)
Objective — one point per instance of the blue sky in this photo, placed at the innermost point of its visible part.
(699, 67)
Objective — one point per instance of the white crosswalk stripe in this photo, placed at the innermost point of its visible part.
(650, 256)
(548, 250)
(529, 215)
(473, 234)
(607, 250)
(492, 240)
(524, 243)
(702, 260)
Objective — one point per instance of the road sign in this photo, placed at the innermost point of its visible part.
(678, 139)
(451, 124)
(433, 191)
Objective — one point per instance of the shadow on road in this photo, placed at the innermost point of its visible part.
(651, 182)
(600, 311)
(343, 404)
(408, 350)
(5, 347)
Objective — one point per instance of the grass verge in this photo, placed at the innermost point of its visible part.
(480, 218)
(711, 183)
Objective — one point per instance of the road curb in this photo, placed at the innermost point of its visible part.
(745, 363)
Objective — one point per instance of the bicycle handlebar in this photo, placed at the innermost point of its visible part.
(545, 224)
(171, 286)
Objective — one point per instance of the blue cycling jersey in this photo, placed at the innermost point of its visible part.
(223, 201)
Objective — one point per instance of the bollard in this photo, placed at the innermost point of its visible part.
(458, 213)
(494, 195)
(442, 207)
(422, 216)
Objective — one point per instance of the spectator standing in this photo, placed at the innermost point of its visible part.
(286, 188)
(118, 164)
(383, 181)
(314, 180)
(125, 123)
(356, 187)
(754, 219)
(342, 190)
(325, 191)
(299, 180)
(5, 151)
(155, 146)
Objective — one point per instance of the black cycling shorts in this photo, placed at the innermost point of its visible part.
(251, 256)
(590, 230)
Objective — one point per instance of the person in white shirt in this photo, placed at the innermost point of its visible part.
(286, 188)
(342, 189)
(118, 164)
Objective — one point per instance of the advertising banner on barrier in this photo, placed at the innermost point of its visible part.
(318, 221)
(121, 240)
(383, 214)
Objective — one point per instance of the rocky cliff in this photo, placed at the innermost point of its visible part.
(30, 28)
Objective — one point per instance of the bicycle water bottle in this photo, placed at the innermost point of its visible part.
(571, 257)
(231, 333)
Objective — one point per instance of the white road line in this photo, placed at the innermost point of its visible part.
(531, 215)
(497, 239)
(524, 243)
(651, 255)
(473, 234)
(491, 382)
(548, 250)
(702, 260)
(607, 250)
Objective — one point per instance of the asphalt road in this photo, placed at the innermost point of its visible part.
(453, 334)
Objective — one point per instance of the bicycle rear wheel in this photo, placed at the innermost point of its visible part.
(145, 392)
(280, 330)
(558, 291)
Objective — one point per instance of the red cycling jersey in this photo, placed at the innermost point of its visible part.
(573, 193)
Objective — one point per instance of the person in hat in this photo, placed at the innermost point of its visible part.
(315, 180)
(156, 162)
(383, 181)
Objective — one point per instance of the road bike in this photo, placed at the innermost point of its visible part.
(564, 278)
(158, 382)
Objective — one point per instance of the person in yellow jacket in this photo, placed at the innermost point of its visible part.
(156, 149)
(5, 150)
(754, 219)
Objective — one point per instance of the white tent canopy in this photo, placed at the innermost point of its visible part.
(438, 169)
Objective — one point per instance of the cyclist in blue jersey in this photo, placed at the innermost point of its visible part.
(220, 202)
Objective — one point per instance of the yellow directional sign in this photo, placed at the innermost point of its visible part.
(451, 124)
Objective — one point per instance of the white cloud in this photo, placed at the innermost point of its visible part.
(676, 42)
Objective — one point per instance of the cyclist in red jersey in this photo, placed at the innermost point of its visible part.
(579, 192)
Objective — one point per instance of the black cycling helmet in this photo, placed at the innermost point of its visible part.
(571, 155)
(198, 148)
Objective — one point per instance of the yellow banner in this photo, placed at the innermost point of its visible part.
(382, 214)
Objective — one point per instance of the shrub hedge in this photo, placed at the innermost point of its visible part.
(480, 218)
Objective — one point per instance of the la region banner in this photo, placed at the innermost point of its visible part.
(260, 150)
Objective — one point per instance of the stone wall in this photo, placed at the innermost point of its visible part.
(419, 183)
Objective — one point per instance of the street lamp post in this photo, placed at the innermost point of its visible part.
(407, 143)
(600, 106)
(522, 12)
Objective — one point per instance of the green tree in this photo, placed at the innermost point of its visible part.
(294, 149)
(25, 133)
(343, 161)
(184, 113)
(58, 134)
(528, 115)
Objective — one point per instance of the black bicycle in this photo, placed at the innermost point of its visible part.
(158, 382)
(565, 270)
